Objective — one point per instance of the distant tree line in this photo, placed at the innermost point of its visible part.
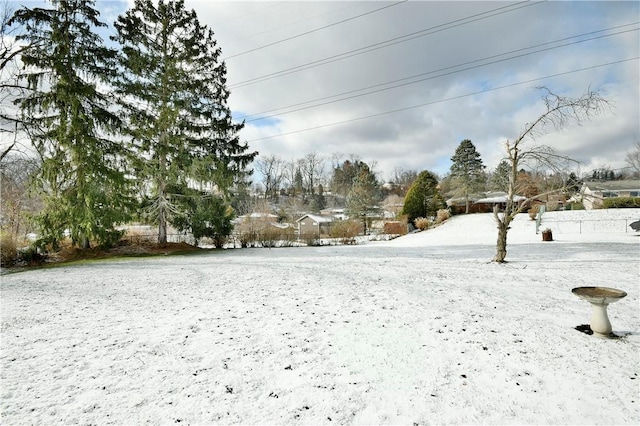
(142, 131)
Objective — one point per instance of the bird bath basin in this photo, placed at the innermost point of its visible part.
(600, 298)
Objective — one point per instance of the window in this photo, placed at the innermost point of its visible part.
(609, 194)
(634, 193)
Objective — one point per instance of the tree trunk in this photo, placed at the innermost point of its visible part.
(84, 243)
(162, 213)
(162, 194)
(501, 246)
(162, 227)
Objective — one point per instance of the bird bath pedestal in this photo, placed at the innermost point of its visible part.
(600, 298)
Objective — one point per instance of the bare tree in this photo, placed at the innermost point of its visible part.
(289, 172)
(560, 111)
(271, 168)
(402, 179)
(11, 87)
(633, 159)
(15, 202)
(312, 168)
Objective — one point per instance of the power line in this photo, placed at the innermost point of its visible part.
(314, 30)
(445, 100)
(308, 18)
(387, 43)
(261, 117)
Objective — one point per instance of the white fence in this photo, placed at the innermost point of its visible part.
(592, 226)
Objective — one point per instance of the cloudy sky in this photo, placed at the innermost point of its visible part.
(400, 84)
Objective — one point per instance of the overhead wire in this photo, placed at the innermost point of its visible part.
(389, 42)
(479, 92)
(259, 116)
(408, 37)
(308, 18)
(314, 30)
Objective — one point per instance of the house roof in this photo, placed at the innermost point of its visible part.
(316, 218)
(332, 211)
(613, 185)
(498, 197)
(485, 198)
(257, 217)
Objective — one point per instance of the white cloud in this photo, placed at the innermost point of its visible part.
(424, 137)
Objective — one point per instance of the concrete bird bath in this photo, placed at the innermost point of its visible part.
(600, 298)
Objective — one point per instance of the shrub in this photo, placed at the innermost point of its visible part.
(621, 203)
(533, 212)
(442, 215)
(31, 256)
(422, 223)
(205, 216)
(575, 206)
(396, 228)
(311, 239)
(8, 251)
(346, 231)
(272, 237)
(219, 240)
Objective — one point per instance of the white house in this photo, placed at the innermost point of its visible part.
(593, 193)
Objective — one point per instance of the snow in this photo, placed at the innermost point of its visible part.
(421, 329)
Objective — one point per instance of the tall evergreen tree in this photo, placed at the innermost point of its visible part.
(346, 175)
(500, 177)
(69, 118)
(205, 215)
(175, 98)
(467, 170)
(364, 193)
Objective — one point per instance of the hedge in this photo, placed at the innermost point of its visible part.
(621, 202)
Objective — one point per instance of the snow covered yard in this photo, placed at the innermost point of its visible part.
(422, 329)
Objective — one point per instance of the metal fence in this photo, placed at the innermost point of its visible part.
(152, 238)
(591, 226)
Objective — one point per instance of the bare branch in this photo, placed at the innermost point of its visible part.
(560, 111)
(633, 158)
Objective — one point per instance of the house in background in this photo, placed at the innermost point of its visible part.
(498, 199)
(335, 212)
(311, 224)
(256, 223)
(482, 203)
(593, 193)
